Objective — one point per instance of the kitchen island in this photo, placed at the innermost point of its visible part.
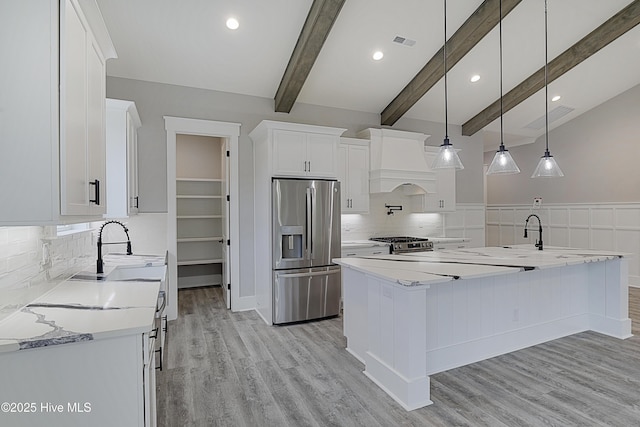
(410, 316)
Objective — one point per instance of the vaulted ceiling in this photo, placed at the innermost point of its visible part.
(320, 52)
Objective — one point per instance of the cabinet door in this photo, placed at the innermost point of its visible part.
(74, 191)
(322, 155)
(132, 166)
(343, 172)
(289, 153)
(96, 133)
(358, 179)
(444, 198)
(446, 185)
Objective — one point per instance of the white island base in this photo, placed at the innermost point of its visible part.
(408, 320)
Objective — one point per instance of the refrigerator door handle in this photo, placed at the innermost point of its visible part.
(309, 228)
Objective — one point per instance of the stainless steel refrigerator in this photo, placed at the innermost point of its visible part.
(306, 237)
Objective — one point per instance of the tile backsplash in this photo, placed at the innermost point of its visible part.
(34, 259)
(401, 223)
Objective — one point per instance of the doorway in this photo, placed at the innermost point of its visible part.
(202, 179)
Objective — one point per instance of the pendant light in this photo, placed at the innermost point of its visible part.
(547, 166)
(503, 163)
(447, 156)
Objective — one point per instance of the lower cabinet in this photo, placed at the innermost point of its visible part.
(99, 383)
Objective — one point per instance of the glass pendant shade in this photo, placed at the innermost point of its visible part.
(547, 167)
(447, 157)
(503, 163)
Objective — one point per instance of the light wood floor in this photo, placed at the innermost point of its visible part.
(230, 369)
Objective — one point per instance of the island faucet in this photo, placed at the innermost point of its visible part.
(538, 242)
(100, 264)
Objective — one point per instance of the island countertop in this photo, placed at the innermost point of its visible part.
(82, 310)
(424, 268)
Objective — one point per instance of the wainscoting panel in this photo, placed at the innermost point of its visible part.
(468, 220)
(611, 227)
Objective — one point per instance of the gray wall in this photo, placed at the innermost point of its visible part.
(597, 151)
(155, 100)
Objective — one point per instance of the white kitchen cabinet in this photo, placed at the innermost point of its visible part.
(101, 383)
(123, 122)
(52, 112)
(304, 154)
(444, 198)
(353, 173)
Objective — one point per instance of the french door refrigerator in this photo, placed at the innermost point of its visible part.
(306, 237)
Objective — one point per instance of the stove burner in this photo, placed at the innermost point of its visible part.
(403, 244)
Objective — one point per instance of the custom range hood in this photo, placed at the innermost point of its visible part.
(397, 158)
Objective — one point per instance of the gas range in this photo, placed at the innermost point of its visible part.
(404, 244)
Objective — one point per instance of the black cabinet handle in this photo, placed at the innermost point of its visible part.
(160, 364)
(96, 183)
(137, 201)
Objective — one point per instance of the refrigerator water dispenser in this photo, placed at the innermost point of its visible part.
(291, 242)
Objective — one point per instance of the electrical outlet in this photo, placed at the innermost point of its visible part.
(537, 202)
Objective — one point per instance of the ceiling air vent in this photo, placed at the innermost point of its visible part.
(403, 41)
(554, 115)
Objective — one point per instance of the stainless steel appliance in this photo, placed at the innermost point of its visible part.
(404, 244)
(306, 237)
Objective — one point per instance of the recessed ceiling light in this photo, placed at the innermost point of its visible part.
(232, 24)
(377, 55)
(475, 78)
(556, 98)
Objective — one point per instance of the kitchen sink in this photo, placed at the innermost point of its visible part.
(127, 273)
(155, 273)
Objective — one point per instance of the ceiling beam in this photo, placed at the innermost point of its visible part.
(322, 15)
(478, 25)
(617, 25)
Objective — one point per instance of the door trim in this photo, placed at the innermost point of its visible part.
(230, 131)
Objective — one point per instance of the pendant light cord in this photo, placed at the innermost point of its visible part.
(546, 85)
(446, 109)
(500, 31)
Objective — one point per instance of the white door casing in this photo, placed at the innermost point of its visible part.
(230, 132)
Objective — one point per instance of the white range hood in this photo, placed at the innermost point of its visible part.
(398, 158)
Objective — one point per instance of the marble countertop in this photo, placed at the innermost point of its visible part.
(449, 239)
(424, 268)
(354, 244)
(85, 310)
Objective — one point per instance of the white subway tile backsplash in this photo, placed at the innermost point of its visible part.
(23, 273)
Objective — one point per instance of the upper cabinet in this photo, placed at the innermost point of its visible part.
(52, 112)
(353, 173)
(299, 150)
(443, 199)
(123, 122)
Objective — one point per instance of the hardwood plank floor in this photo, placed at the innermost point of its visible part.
(230, 369)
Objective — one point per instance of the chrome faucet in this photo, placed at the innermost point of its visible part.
(100, 264)
(538, 242)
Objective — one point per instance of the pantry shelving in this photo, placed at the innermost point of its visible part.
(200, 216)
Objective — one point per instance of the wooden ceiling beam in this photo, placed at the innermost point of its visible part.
(617, 25)
(322, 15)
(478, 25)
